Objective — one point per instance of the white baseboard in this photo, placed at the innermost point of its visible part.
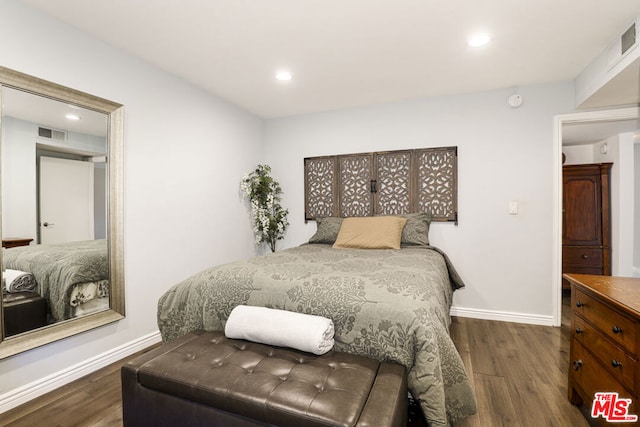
(503, 316)
(635, 271)
(44, 385)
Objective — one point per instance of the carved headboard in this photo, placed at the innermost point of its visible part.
(383, 183)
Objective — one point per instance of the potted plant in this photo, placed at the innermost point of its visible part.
(269, 217)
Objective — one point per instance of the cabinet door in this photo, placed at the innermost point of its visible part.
(393, 184)
(320, 187)
(355, 184)
(582, 210)
(437, 183)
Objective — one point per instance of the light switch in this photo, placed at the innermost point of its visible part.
(513, 208)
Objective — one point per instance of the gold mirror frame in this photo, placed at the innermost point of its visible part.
(115, 113)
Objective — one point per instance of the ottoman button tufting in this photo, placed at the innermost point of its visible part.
(157, 390)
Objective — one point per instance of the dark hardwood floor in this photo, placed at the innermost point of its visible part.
(519, 373)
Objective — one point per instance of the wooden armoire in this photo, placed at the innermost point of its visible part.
(586, 220)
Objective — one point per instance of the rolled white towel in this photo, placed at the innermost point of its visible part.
(19, 281)
(306, 332)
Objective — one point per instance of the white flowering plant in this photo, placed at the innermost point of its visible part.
(269, 217)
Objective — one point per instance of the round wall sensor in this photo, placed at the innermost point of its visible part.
(515, 100)
(604, 148)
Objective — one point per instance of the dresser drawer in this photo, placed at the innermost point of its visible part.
(612, 357)
(582, 257)
(590, 377)
(619, 328)
(605, 330)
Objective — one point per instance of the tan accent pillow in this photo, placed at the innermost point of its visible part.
(372, 232)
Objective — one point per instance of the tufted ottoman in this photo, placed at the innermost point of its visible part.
(23, 311)
(206, 379)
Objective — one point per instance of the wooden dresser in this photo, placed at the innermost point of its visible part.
(586, 219)
(12, 242)
(605, 338)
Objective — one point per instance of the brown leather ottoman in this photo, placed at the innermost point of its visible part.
(23, 311)
(206, 379)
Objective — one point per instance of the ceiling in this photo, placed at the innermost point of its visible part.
(51, 113)
(594, 132)
(348, 53)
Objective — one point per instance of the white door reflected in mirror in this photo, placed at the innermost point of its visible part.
(66, 200)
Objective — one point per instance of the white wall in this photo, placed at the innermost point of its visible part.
(620, 153)
(578, 154)
(636, 222)
(19, 197)
(19, 178)
(185, 153)
(504, 155)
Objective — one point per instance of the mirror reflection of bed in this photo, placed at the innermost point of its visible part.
(54, 212)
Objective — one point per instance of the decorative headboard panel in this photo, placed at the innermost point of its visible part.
(383, 183)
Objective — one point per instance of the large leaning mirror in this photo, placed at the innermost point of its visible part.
(61, 208)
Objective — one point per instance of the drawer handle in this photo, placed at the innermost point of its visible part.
(579, 304)
(616, 330)
(579, 331)
(615, 363)
(577, 365)
(585, 256)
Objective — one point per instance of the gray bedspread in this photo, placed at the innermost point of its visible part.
(59, 267)
(391, 305)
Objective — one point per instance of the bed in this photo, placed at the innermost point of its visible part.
(388, 304)
(72, 277)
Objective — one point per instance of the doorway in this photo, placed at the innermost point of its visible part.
(594, 120)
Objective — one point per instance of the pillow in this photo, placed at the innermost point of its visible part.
(327, 230)
(416, 230)
(370, 232)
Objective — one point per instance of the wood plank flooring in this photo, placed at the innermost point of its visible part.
(519, 373)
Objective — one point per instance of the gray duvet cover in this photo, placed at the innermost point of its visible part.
(60, 267)
(391, 305)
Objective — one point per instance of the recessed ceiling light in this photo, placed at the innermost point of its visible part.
(478, 40)
(283, 76)
(73, 117)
